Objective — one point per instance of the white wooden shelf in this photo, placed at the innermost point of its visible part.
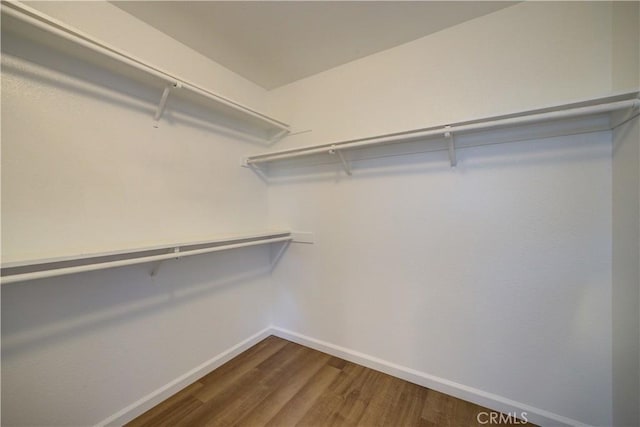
(17, 271)
(586, 116)
(25, 22)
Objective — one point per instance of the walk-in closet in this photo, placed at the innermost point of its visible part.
(320, 213)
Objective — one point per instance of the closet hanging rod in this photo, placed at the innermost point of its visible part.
(46, 23)
(491, 123)
(139, 260)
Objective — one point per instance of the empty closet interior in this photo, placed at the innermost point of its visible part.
(448, 193)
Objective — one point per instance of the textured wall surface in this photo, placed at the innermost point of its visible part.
(495, 274)
(626, 274)
(84, 170)
(527, 56)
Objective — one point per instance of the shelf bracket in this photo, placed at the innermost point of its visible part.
(256, 169)
(345, 164)
(163, 102)
(156, 266)
(278, 136)
(632, 113)
(451, 146)
(275, 257)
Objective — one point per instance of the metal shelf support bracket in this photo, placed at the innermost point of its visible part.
(163, 102)
(156, 266)
(278, 136)
(345, 164)
(451, 146)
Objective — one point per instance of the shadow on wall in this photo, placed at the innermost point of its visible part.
(421, 158)
(34, 62)
(39, 313)
(625, 130)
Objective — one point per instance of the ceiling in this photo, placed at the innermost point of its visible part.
(275, 43)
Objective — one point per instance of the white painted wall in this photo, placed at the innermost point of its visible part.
(84, 170)
(522, 57)
(114, 26)
(496, 274)
(625, 45)
(626, 275)
(78, 349)
(626, 224)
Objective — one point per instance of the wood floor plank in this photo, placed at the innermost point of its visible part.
(175, 413)
(167, 409)
(351, 408)
(293, 412)
(232, 398)
(228, 374)
(330, 401)
(297, 377)
(336, 362)
(278, 383)
(356, 399)
(466, 413)
(295, 409)
(409, 409)
(387, 395)
(437, 407)
(274, 378)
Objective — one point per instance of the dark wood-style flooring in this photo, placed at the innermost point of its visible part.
(280, 383)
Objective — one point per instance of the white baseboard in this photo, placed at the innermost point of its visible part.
(470, 394)
(480, 397)
(152, 399)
